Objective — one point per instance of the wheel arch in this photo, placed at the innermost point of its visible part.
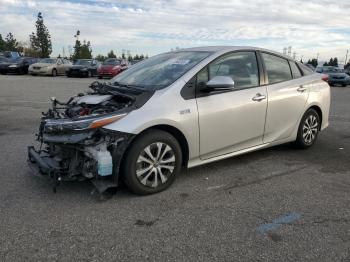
(178, 135)
(319, 112)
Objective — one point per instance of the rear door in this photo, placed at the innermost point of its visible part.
(287, 94)
(231, 120)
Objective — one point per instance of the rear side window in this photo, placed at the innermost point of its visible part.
(295, 70)
(306, 70)
(242, 67)
(277, 68)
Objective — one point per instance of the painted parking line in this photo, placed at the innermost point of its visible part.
(278, 222)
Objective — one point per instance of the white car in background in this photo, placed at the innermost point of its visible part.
(181, 109)
(50, 67)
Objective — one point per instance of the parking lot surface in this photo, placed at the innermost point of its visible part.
(279, 204)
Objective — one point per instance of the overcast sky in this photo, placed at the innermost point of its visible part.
(151, 27)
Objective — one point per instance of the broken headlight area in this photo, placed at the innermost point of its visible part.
(73, 143)
(81, 156)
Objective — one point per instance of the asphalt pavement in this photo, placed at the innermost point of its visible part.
(278, 204)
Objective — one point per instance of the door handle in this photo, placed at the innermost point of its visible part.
(258, 97)
(301, 89)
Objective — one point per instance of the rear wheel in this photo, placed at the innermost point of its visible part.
(308, 129)
(344, 85)
(152, 162)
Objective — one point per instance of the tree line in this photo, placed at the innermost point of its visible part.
(331, 62)
(40, 45)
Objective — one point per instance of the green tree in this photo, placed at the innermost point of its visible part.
(2, 43)
(136, 57)
(332, 62)
(40, 41)
(335, 61)
(111, 54)
(129, 57)
(313, 62)
(11, 43)
(81, 50)
(100, 58)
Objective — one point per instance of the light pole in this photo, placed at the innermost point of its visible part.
(346, 57)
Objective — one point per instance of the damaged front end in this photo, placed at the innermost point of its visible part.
(74, 146)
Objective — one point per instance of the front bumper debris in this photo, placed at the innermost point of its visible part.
(42, 164)
(46, 163)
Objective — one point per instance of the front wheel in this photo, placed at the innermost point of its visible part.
(54, 72)
(152, 162)
(308, 129)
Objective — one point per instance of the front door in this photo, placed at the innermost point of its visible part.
(232, 120)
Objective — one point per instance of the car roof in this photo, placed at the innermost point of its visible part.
(221, 49)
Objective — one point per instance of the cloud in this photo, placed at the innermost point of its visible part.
(152, 27)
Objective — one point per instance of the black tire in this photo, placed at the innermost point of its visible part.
(99, 77)
(307, 136)
(69, 75)
(344, 85)
(152, 179)
(54, 72)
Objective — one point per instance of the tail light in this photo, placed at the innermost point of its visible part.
(325, 78)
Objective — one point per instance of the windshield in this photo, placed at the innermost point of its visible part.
(160, 71)
(82, 62)
(48, 61)
(111, 61)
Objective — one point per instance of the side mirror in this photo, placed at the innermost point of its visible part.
(218, 83)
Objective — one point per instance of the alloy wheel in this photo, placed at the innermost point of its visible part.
(155, 164)
(310, 129)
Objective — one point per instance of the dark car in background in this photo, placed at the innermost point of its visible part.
(83, 68)
(111, 67)
(336, 76)
(19, 65)
(4, 59)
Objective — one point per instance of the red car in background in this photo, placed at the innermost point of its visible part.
(111, 67)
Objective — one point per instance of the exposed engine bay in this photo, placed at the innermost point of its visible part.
(73, 143)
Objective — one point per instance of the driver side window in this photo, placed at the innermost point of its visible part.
(242, 67)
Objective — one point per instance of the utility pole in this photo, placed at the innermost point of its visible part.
(346, 57)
